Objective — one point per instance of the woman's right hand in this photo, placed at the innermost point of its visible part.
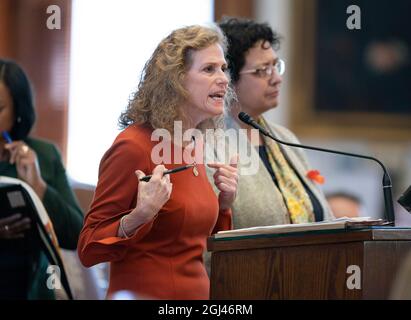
(13, 227)
(151, 197)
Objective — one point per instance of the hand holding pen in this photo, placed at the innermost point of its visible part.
(182, 168)
(17, 149)
(153, 192)
(151, 197)
(147, 178)
(26, 162)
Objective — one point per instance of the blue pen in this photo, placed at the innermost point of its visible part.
(6, 136)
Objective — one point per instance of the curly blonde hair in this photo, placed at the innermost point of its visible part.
(161, 92)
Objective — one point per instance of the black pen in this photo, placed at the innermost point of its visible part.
(147, 178)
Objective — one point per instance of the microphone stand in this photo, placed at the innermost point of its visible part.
(386, 180)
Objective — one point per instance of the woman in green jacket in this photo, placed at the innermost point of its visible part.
(23, 264)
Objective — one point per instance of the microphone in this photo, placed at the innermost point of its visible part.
(386, 180)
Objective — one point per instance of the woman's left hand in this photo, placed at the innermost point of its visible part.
(226, 180)
(27, 166)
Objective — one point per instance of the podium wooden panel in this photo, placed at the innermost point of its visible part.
(309, 265)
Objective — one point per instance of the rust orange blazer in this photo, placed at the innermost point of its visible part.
(163, 259)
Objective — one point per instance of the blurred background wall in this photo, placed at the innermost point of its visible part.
(373, 133)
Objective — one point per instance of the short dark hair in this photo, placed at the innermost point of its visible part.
(242, 34)
(16, 81)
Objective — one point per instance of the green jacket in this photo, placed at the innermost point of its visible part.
(62, 207)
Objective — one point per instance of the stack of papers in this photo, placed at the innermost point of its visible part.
(341, 223)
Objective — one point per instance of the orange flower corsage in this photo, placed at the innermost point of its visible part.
(315, 176)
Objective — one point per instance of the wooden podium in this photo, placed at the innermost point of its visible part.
(308, 265)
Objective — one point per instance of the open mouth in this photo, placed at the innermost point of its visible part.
(217, 96)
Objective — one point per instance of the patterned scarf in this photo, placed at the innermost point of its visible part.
(295, 196)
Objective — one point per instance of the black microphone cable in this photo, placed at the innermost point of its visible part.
(386, 180)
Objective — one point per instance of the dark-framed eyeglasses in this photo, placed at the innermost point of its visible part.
(267, 71)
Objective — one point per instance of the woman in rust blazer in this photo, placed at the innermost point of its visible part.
(154, 233)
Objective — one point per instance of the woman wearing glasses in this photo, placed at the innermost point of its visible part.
(279, 192)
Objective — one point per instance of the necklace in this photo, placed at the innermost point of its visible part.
(195, 170)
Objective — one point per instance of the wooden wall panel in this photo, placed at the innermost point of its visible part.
(44, 55)
(238, 8)
(7, 18)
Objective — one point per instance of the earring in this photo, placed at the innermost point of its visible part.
(18, 119)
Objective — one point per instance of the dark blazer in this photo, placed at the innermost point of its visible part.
(63, 210)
